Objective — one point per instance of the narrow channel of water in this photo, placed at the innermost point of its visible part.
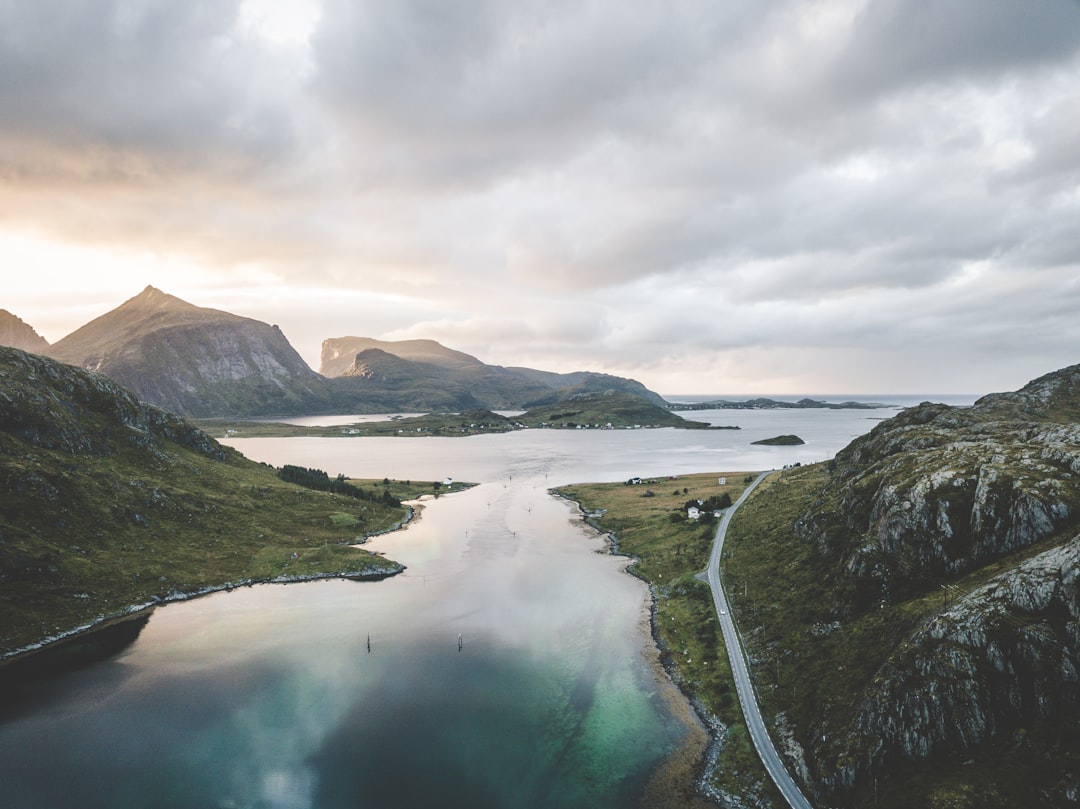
(506, 667)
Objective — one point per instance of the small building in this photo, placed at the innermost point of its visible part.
(723, 481)
(693, 513)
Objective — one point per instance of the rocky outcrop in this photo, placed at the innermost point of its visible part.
(938, 491)
(931, 498)
(1003, 659)
(17, 334)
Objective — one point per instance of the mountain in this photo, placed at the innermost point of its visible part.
(109, 503)
(425, 371)
(17, 334)
(932, 648)
(339, 354)
(420, 375)
(206, 363)
(195, 361)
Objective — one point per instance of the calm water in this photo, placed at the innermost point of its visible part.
(269, 696)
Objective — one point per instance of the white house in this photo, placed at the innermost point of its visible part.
(723, 481)
(693, 513)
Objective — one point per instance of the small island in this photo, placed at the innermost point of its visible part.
(780, 441)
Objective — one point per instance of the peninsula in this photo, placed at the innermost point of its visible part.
(111, 506)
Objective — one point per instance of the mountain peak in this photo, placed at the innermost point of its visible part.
(153, 299)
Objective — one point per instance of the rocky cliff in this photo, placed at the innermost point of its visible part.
(998, 668)
(939, 491)
(195, 361)
(942, 642)
(17, 334)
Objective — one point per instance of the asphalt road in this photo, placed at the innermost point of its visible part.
(751, 713)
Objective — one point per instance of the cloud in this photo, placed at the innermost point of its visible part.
(623, 185)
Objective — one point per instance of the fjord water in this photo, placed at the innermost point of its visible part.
(508, 666)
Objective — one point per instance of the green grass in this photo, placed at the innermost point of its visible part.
(86, 537)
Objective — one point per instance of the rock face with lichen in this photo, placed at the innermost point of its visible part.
(924, 500)
(1004, 656)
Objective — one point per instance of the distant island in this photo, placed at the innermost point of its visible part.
(781, 441)
(611, 410)
(776, 404)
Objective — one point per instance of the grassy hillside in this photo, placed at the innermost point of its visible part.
(107, 503)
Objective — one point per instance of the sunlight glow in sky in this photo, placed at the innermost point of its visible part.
(846, 195)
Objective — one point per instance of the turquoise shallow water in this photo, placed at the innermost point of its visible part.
(268, 697)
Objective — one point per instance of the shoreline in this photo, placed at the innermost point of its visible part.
(133, 611)
(681, 780)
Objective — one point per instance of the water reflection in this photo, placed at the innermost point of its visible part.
(269, 696)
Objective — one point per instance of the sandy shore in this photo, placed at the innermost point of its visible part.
(673, 784)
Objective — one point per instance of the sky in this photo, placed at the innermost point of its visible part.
(709, 196)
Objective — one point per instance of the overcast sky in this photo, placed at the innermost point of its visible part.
(712, 196)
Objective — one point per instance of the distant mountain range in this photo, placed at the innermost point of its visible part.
(776, 404)
(421, 369)
(206, 363)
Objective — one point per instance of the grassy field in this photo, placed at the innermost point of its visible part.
(670, 551)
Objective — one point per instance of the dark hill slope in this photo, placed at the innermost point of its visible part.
(107, 503)
(564, 386)
(613, 407)
(923, 604)
(17, 334)
(195, 361)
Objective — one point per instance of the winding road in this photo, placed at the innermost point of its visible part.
(752, 714)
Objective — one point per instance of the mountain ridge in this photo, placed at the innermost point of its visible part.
(207, 363)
